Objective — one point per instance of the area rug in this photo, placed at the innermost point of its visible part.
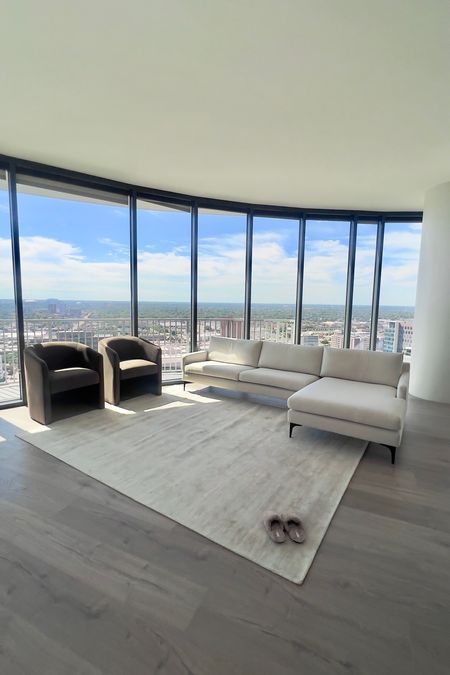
(213, 463)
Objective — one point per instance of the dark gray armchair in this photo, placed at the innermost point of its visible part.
(127, 358)
(55, 367)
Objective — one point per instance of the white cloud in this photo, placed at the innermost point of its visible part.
(56, 268)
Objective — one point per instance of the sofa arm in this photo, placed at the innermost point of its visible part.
(152, 352)
(193, 357)
(403, 385)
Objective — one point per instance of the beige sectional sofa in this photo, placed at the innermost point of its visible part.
(355, 393)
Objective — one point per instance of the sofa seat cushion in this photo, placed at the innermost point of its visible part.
(375, 405)
(294, 358)
(231, 350)
(66, 379)
(282, 379)
(228, 371)
(136, 368)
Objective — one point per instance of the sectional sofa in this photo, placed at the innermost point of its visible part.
(355, 393)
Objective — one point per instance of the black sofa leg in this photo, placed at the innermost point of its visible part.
(291, 426)
(184, 385)
(392, 449)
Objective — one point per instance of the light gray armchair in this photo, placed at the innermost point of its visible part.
(55, 367)
(130, 358)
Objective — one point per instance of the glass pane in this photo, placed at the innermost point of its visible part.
(9, 360)
(274, 282)
(164, 272)
(325, 280)
(398, 286)
(75, 257)
(221, 274)
(366, 239)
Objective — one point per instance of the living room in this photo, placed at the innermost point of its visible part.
(224, 372)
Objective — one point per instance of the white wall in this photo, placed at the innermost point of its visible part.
(430, 361)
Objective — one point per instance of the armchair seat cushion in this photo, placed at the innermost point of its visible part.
(229, 371)
(66, 379)
(375, 405)
(136, 368)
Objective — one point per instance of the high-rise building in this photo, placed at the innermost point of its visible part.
(398, 336)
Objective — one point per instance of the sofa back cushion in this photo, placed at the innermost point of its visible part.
(295, 358)
(230, 350)
(362, 366)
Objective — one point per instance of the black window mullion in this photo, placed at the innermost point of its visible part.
(133, 265)
(248, 276)
(17, 277)
(194, 276)
(350, 283)
(300, 274)
(377, 284)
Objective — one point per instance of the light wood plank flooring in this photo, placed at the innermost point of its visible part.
(92, 583)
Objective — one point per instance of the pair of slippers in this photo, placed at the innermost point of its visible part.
(284, 526)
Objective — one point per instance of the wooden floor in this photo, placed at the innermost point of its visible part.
(94, 584)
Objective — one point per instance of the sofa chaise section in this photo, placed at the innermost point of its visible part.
(360, 394)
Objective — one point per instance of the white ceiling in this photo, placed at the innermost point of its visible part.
(319, 103)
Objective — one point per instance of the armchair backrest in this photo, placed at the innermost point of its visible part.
(126, 346)
(59, 354)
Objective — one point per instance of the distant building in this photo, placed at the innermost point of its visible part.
(232, 328)
(360, 341)
(398, 337)
(310, 340)
(337, 340)
(357, 340)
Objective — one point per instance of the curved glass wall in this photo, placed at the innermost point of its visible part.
(96, 261)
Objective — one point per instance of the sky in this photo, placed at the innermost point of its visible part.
(72, 249)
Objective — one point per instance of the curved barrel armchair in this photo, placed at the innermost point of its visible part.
(130, 358)
(55, 367)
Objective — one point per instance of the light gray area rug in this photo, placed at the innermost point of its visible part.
(213, 463)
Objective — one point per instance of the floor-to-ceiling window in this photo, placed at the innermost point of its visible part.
(324, 284)
(221, 275)
(164, 280)
(398, 286)
(9, 352)
(75, 257)
(274, 278)
(366, 238)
